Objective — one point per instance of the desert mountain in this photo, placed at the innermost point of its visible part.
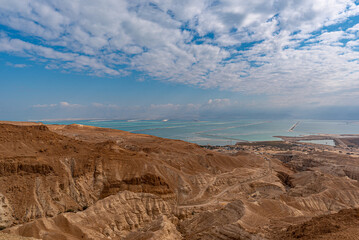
(81, 182)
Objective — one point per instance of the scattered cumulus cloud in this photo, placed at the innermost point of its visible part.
(280, 48)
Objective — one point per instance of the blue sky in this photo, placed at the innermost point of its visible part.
(179, 59)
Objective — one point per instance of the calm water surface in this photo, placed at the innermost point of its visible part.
(226, 132)
(324, 142)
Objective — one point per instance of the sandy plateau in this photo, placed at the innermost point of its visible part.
(79, 182)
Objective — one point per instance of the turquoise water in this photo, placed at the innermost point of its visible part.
(225, 132)
(324, 142)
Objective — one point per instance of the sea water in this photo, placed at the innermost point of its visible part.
(219, 132)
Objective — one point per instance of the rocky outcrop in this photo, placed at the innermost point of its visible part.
(145, 183)
(159, 229)
(113, 217)
(341, 225)
(6, 212)
(219, 224)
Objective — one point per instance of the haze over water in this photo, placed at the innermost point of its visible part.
(214, 132)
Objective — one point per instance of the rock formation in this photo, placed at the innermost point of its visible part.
(81, 182)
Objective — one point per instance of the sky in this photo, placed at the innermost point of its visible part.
(138, 59)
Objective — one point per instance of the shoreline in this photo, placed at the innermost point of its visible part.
(346, 141)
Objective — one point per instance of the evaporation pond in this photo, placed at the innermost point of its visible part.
(329, 142)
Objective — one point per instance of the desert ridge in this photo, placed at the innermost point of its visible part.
(82, 182)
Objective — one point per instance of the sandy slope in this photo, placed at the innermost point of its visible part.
(6, 236)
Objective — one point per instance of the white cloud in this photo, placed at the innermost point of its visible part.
(17, 65)
(101, 105)
(68, 60)
(60, 104)
(219, 102)
(353, 43)
(98, 105)
(68, 105)
(354, 29)
(194, 42)
(44, 105)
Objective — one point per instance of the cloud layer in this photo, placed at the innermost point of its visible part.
(280, 48)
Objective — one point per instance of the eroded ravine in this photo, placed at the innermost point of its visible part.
(79, 182)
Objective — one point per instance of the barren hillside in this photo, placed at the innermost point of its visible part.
(81, 182)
